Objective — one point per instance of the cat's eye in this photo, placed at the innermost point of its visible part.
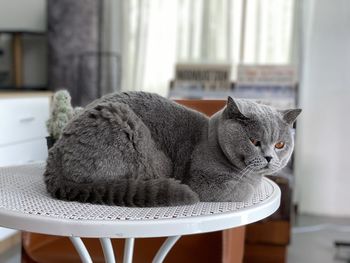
(255, 142)
(279, 145)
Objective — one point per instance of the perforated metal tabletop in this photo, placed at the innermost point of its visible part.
(25, 205)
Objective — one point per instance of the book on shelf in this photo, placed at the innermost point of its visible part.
(270, 84)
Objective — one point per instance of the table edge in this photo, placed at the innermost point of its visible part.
(142, 228)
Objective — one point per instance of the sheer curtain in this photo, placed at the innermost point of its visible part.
(157, 34)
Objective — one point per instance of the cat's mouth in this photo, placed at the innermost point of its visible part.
(264, 168)
(261, 166)
(270, 168)
(258, 165)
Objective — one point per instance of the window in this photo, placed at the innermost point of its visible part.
(159, 33)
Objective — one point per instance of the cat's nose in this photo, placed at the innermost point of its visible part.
(268, 158)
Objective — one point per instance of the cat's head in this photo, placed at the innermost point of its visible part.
(256, 136)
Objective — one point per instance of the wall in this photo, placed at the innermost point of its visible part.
(323, 142)
(19, 14)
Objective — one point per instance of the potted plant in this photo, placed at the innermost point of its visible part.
(61, 113)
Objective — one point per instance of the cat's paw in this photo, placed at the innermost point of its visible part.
(243, 193)
(184, 195)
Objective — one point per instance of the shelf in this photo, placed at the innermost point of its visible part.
(23, 88)
(23, 32)
(17, 54)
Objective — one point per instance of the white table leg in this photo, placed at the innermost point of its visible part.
(107, 248)
(165, 248)
(81, 249)
(128, 250)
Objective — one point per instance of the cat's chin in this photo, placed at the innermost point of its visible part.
(267, 170)
(261, 170)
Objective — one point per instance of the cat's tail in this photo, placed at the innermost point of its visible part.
(124, 192)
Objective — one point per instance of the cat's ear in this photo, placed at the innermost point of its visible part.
(289, 116)
(232, 110)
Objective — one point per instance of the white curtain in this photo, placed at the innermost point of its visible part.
(157, 34)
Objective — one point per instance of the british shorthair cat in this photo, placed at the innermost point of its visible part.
(140, 149)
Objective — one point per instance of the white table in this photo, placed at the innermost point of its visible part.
(25, 205)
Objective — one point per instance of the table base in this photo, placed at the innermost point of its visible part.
(108, 251)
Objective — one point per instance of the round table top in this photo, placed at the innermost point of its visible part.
(25, 205)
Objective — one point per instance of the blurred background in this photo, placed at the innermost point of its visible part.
(287, 53)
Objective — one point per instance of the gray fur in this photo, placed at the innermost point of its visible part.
(140, 149)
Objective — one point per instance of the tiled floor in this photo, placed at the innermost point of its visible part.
(306, 247)
(318, 246)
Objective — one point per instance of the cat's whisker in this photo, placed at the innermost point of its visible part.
(276, 164)
(246, 170)
(242, 171)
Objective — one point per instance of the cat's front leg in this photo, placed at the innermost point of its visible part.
(212, 187)
(243, 189)
(199, 182)
(238, 192)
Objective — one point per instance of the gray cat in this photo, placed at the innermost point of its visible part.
(140, 149)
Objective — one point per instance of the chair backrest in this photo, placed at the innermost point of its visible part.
(208, 107)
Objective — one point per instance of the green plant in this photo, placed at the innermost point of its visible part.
(61, 113)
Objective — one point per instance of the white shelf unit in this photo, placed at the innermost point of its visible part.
(22, 132)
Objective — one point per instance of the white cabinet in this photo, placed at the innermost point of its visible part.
(22, 128)
(22, 131)
(23, 119)
(33, 150)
